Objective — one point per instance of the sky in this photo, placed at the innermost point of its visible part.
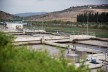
(22, 6)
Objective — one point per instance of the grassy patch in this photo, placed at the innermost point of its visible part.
(99, 32)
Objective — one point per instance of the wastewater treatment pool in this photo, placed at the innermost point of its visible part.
(56, 51)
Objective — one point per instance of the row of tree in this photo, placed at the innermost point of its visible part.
(93, 17)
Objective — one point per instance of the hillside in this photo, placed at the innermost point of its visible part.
(69, 14)
(7, 16)
(29, 14)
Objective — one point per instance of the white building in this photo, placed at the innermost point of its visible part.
(14, 26)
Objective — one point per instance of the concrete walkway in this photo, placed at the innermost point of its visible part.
(51, 39)
(95, 42)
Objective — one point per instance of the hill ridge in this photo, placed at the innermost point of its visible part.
(69, 14)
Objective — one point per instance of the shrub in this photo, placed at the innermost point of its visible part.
(21, 59)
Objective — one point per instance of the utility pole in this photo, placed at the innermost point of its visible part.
(42, 25)
(87, 21)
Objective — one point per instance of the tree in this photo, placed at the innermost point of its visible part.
(93, 17)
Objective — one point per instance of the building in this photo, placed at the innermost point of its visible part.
(14, 26)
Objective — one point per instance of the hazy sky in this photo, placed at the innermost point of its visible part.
(21, 6)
